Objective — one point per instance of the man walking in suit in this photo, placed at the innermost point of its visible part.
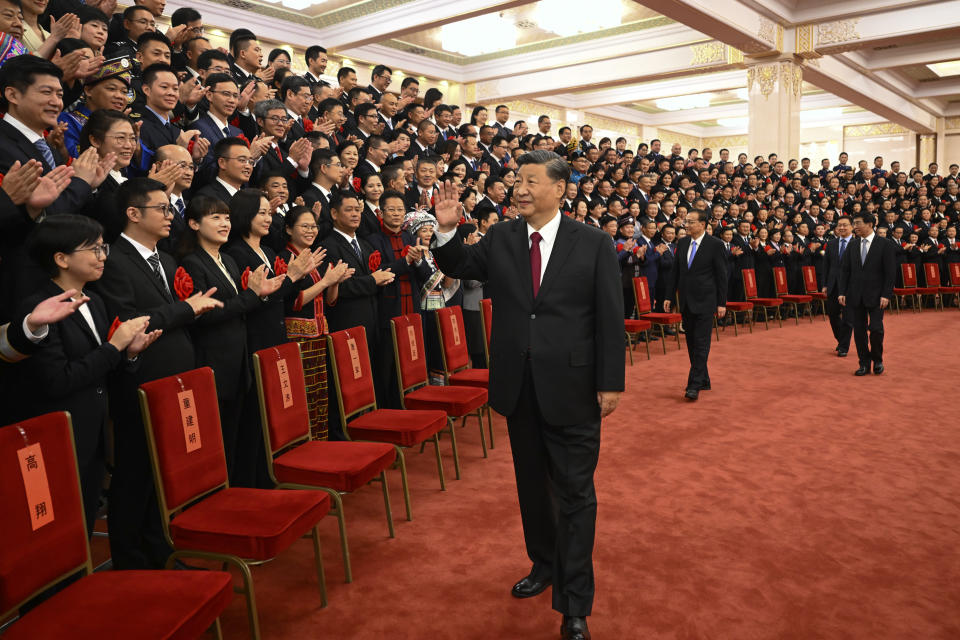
(556, 368)
(840, 321)
(700, 278)
(866, 286)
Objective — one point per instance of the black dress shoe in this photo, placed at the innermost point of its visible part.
(530, 586)
(877, 368)
(692, 394)
(574, 628)
(862, 371)
(841, 353)
(705, 387)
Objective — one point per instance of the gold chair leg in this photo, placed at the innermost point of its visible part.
(252, 616)
(629, 348)
(453, 444)
(663, 338)
(735, 332)
(436, 444)
(217, 631)
(765, 323)
(796, 313)
(490, 425)
(318, 556)
(810, 310)
(676, 329)
(780, 317)
(386, 503)
(646, 334)
(483, 439)
(342, 524)
(402, 464)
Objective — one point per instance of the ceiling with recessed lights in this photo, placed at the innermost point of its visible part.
(675, 63)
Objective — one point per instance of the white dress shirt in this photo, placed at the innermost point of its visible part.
(226, 185)
(84, 311)
(31, 135)
(145, 253)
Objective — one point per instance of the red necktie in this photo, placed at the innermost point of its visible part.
(279, 155)
(535, 239)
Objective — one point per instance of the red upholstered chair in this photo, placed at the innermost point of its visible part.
(43, 540)
(908, 272)
(780, 282)
(931, 271)
(633, 328)
(750, 292)
(353, 378)
(294, 461)
(486, 315)
(954, 270)
(810, 286)
(417, 393)
(745, 308)
(203, 517)
(641, 296)
(456, 361)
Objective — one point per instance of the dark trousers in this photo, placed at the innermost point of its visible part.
(840, 322)
(698, 328)
(554, 466)
(136, 533)
(867, 320)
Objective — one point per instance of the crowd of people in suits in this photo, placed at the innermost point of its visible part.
(166, 205)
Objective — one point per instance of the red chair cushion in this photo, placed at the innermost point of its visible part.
(949, 289)
(663, 318)
(471, 378)
(900, 291)
(926, 291)
(739, 306)
(789, 297)
(130, 604)
(454, 401)
(344, 466)
(255, 524)
(816, 295)
(636, 326)
(397, 426)
(767, 302)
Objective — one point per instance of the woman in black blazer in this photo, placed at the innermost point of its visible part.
(109, 132)
(250, 220)
(372, 187)
(69, 371)
(220, 336)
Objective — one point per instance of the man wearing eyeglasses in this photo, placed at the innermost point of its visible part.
(234, 167)
(174, 153)
(297, 99)
(223, 96)
(126, 29)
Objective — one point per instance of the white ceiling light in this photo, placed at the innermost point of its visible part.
(733, 123)
(821, 115)
(299, 5)
(476, 36)
(742, 94)
(569, 17)
(943, 69)
(679, 103)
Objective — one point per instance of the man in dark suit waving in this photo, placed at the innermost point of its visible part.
(866, 286)
(700, 279)
(840, 321)
(556, 367)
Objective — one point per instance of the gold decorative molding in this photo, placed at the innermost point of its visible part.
(952, 123)
(792, 77)
(771, 32)
(838, 31)
(708, 53)
(768, 76)
(765, 77)
(471, 93)
(867, 130)
(719, 142)
(804, 41)
(609, 124)
(734, 55)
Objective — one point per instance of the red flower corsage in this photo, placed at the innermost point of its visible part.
(182, 283)
(279, 266)
(113, 327)
(307, 125)
(405, 251)
(462, 220)
(236, 121)
(1, 179)
(244, 138)
(619, 247)
(190, 145)
(356, 184)
(373, 262)
(245, 278)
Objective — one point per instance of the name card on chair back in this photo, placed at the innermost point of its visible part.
(285, 388)
(455, 327)
(354, 358)
(35, 485)
(188, 418)
(412, 339)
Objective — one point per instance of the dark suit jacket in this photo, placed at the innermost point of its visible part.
(703, 286)
(831, 266)
(312, 195)
(357, 301)
(865, 284)
(15, 146)
(213, 190)
(571, 333)
(154, 133)
(209, 130)
(69, 371)
(265, 323)
(390, 305)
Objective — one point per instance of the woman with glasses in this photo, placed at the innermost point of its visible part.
(220, 336)
(303, 308)
(109, 132)
(69, 371)
(250, 223)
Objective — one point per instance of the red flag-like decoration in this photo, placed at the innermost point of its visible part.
(182, 283)
(245, 278)
(245, 141)
(356, 185)
(374, 261)
(405, 251)
(113, 327)
(279, 266)
(307, 125)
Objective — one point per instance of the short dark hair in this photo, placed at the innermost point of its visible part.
(68, 45)
(135, 192)
(388, 194)
(61, 234)
(319, 158)
(20, 72)
(379, 70)
(150, 73)
(557, 168)
(276, 53)
(409, 80)
(868, 218)
(343, 72)
(222, 147)
(244, 207)
(85, 13)
(328, 105)
(313, 52)
(364, 109)
(214, 79)
(98, 124)
(293, 83)
(184, 15)
(132, 9)
(703, 216)
(241, 43)
(208, 56)
(338, 196)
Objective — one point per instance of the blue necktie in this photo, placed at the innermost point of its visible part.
(45, 152)
(843, 246)
(693, 252)
(356, 249)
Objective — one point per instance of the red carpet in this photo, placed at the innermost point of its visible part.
(792, 501)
